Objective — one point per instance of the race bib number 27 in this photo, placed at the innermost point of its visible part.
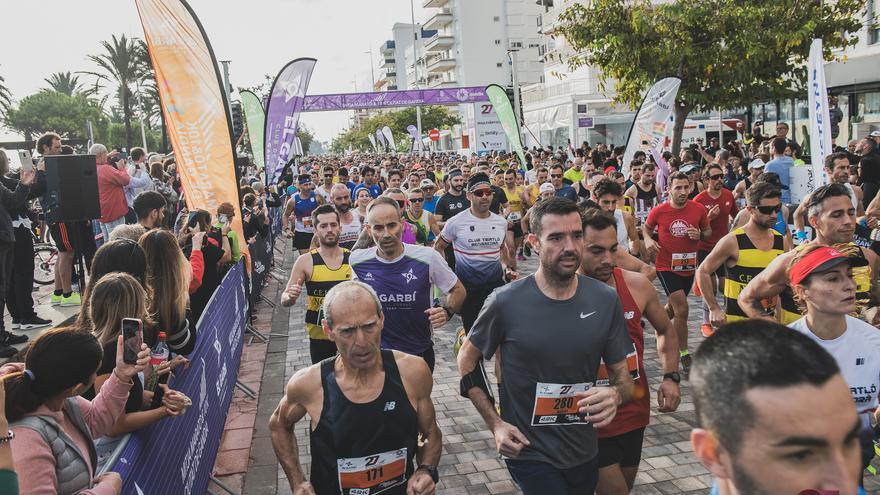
(556, 404)
(372, 474)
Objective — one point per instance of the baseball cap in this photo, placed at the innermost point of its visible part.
(689, 168)
(874, 134)
(823, 258)
(610, 168)
(427, 183)
(757, 163)
(546, 187)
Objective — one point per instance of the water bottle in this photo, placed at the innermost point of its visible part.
(159, 353)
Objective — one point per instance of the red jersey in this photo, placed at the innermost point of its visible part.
(727, 211)
(636, 413)
(678, 252)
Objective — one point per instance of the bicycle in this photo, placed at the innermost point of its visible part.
(45, 256)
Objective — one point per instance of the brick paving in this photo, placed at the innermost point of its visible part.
(470, 464)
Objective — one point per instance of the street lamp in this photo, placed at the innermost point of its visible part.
(372, 74)
(412, 13)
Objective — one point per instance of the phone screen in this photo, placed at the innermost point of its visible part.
(132, 338)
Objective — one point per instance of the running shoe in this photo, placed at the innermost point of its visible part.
(16, 324)
(459, 340)
(707, 330)
(7, 351)
(34, 322)
(686, 364)
(56, 299)
(9, 339)
(71, 300)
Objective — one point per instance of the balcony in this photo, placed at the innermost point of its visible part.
(439, 42)
(441, 82)
(442, 17)
(387, 63)
(440, 64)
(430, 4)
(387, 47)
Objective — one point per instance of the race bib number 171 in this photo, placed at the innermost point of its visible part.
(372, 474)
(556, 404)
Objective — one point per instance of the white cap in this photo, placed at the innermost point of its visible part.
(427, 183)
(756, 163)
(874, 134)
(546, 187)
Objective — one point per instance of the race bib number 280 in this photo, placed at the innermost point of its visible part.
(372, 474)
(556, 404)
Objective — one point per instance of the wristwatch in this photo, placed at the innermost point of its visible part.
(432, 470)
(9, 436)
(449, 313)
(672, 375)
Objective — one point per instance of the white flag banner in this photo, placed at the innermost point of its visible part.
(389, 137)
(649, 128)
(373, 142)
(820, 121)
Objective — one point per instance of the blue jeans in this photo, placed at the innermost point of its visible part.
(541, 478)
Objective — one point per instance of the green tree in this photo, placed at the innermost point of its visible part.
(727, 53)
(121, 63)
(67, 83)
(306, 137)
(51, 110)
(432, 117)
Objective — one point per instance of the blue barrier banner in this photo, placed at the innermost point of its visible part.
(176, 455)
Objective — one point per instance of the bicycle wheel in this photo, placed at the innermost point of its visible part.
(45, 256)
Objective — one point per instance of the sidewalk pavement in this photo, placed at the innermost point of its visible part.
(42, 295)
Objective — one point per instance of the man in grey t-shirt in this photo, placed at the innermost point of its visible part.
(552, 329)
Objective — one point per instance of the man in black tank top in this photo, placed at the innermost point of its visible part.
(368, 408)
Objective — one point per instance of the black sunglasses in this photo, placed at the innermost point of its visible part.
(716, 177)
(556, 176)
(767, 210)
(417, 200)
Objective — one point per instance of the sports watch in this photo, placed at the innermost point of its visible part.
(672, 375)
(432, 470)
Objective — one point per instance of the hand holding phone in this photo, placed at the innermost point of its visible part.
(133, 337)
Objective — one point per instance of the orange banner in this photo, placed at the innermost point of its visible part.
(194, 104)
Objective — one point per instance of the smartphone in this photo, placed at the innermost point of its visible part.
(123, 155)
(132, 338)
(191, 220)
(223, 219)
(27, 161)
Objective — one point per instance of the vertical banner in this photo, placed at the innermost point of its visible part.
(504, 110)
(489, 133)
(194, 104)
(649, 128)
(389, 138)
(414, 133)
(820, 121)
(373, 142)
(255, 117)
(282, 114)
(380, 137)
(176, 455)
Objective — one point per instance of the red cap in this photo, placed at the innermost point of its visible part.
(819, 260)
(417, 166)
(609, 169)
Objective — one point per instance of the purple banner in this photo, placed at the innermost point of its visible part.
(382, 99)
(282, 114)
(585, 122)
(176, 455)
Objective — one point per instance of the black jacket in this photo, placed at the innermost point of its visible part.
(38, 188)
(10, 201)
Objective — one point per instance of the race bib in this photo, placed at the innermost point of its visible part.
(556, 404)
(372, 474)
(514, 216)
(683, 262)
(307, 221)
(632, 364)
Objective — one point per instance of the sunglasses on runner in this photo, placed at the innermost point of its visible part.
(417, 200)
(482, 193)
(716, 177)
(767, 210)
(556, 176)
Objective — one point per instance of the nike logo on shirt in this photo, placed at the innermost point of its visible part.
(586, 315)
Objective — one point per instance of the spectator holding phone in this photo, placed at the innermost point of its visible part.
(225, 214)
(215, 250)
(44, 408)
(255, 222)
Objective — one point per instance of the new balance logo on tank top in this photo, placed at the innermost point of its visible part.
(477, 244)
(404, 289)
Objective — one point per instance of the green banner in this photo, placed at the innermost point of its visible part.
(504, 110)
(255, 117)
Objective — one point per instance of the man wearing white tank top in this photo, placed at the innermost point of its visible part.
(608, 194)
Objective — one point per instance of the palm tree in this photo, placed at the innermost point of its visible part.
(5, 96)
(67, 83)
(120, 63)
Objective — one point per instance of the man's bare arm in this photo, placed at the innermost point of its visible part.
(667, 340)
(281, 425)
(767, 284)
(719, 255)
(301, 271)
(630, 263)
(419, 376)
(456, 296)
(469, 357)
(621, 381)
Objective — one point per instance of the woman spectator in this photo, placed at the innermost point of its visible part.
(121, 255)
(214, 247)
(8, 478)
(117, 296)
(46, 412)
(168, 276)
(254, 219)
(225, 214)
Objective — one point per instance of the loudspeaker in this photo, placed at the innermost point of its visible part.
(72, 188)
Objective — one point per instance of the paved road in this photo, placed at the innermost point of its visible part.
(470, 465)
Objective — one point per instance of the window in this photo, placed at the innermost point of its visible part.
(516, 44)
(499, 64)
(496, 18)
(534, 45)
(497, 42)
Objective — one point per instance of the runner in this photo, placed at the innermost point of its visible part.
(832, 215)
(620, 443)
(608, 195)
(756, 168)
(743, 254)
(477, 236)
(680, 224)
(721, 209)
(325, 190)
(403, 275)
(643, 196)
(369, 183)
(821, 278)
(321, 269)
(550, 408)
(837, 170)
(350, 223)
(533, 191)
(300, 206)
(517, 204)
(749, 380)
(367, 408)
(563, 190)
(422, 222)
(450, 204)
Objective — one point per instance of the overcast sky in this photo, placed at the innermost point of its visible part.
(258, 36)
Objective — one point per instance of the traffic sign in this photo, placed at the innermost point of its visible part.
(434, 134)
